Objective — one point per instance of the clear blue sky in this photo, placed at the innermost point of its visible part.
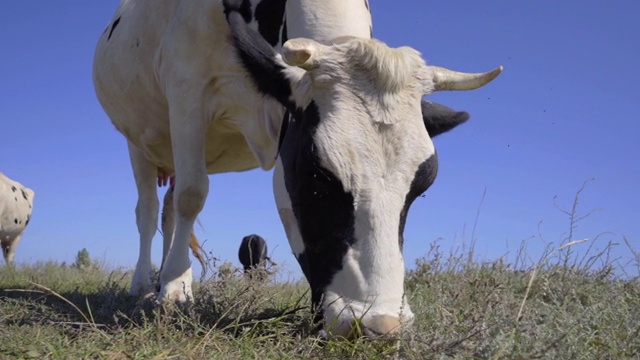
(566, 108)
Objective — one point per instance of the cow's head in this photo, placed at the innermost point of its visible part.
(355, 155)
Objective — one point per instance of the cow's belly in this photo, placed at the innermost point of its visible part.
(225, 150)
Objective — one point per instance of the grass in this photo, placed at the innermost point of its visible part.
(464, 309)
(575, 302)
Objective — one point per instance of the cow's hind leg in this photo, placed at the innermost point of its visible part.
(145, 174)
(167, 223)
(9, 249)
(191, 188)
(168, 227)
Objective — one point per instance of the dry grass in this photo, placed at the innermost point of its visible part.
(464, 309)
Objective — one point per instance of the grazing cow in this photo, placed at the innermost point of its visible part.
(167, 76)
(16, 205)
(354, 157)
(253, 251)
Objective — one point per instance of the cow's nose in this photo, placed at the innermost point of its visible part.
(375, 326)
(381, 325)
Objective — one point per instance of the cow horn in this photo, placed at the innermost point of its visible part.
(445, 79)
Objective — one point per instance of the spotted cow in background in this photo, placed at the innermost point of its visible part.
(16, 205)
(170, 80)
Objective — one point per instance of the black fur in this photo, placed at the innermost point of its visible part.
(253, 251)
(270, 16)
(439, 119)
(422, 180)
(258, 56)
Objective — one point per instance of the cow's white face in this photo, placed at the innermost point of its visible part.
(354, 158)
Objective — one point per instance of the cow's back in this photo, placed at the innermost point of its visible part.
(16, 203)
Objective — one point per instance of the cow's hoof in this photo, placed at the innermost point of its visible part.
(141, 288)
(177, 290)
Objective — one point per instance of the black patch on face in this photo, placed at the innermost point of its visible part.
(424, 177)
(113, 27)
(270, 15)
(24, 194)
(15, 221)
(366, 4)
(283, 130)
(323, 210)
(13, 188)
(284, 34)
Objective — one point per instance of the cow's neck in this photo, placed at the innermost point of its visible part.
(328, 19)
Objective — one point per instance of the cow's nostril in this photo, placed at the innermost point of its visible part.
(381, 325)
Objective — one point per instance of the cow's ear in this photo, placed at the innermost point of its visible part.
(303, 53)
(439, 118)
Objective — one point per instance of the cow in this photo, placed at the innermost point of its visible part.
(16, 205)
(355, 155)
(252, 252)
(167, 75)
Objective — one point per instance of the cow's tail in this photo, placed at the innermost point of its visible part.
(196, 249)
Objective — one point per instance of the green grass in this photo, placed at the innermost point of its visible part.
(464, 309)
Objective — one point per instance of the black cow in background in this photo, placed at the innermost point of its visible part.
(252, 253)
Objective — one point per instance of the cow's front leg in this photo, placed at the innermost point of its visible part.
(188, 131)
(144, 172)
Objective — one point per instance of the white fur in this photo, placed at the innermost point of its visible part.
(13, 207)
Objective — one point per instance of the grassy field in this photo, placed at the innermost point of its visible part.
(560, 307)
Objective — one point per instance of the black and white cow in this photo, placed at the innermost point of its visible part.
(354, 157)
(168, 77)
(16, 205)
(252, 252)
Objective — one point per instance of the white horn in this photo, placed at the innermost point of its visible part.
(445, 79)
